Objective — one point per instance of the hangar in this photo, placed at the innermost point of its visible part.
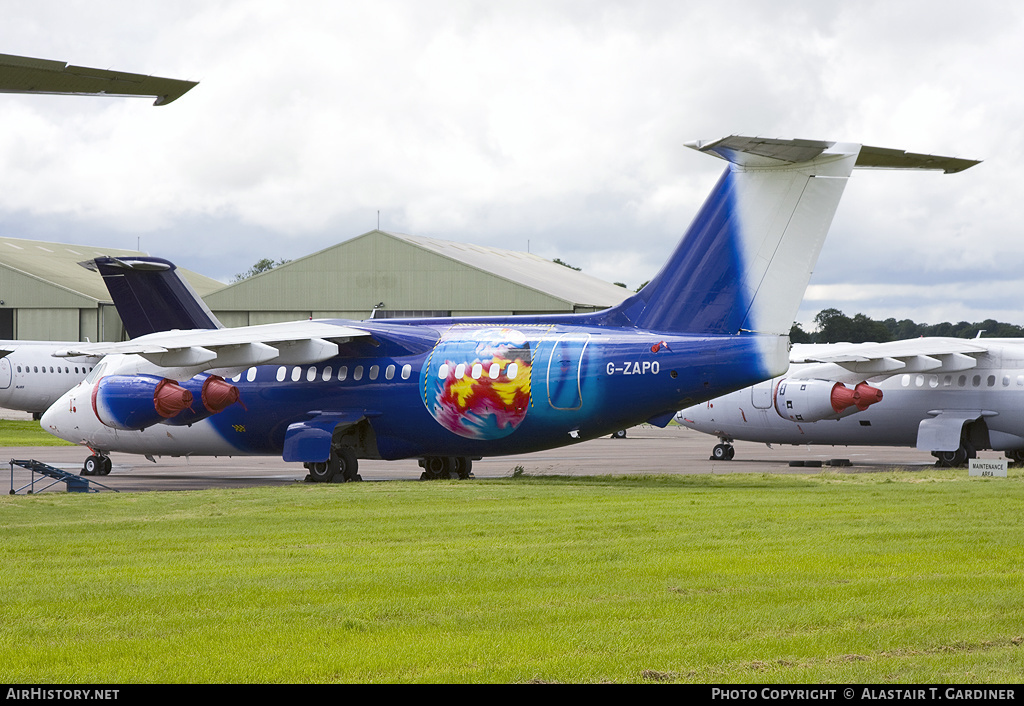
(388, 275)
(46, 295)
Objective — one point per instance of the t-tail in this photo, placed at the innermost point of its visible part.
(151, 295)
(746, 259)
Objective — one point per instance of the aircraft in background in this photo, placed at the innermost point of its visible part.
(24, 74)
(449, 390)
(949, 396)
(31, 379)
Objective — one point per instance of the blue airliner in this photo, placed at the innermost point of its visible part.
(326, 393)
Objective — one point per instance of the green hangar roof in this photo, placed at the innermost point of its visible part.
(411, 276)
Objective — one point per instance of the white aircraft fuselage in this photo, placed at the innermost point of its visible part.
(31, 379)
(971, 400)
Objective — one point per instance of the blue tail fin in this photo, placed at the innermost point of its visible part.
(745, 261)
(151, 295)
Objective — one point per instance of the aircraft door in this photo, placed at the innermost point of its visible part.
(761, 394)
(564, 368)
(5, 373)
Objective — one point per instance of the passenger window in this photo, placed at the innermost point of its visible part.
(357, 374)
(406, 371)
(512, 371)
(442, 372)
(342, 373)
(390, 372)
(374, 370)
(250, 375)
(281, 373)
(311, 374)
(296, 373)
(327, 373)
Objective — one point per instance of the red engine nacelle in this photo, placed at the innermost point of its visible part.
(813, 400)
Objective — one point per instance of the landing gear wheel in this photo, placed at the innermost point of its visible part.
(322, 471)
(955, 459)
(463, 467)
(348, 465)
(97, 465)
(437, 467)
(723, 452)
(620, 434)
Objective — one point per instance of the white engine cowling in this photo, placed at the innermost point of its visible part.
(813, 400)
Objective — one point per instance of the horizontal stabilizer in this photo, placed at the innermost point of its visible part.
(24, 74)
(766, 152)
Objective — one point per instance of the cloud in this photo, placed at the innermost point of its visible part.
(555, 123)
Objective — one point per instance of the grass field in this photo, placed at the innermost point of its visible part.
(18, 432)
(882, 577)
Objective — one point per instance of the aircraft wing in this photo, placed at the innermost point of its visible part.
(917, 355)
(291, 343)
(23, 74)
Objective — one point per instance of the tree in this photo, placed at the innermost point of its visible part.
(798, 335)
(559, 261)
(264, 265)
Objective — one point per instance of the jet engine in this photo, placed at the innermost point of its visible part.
(813, 400)
(215, 394)
(134, 402)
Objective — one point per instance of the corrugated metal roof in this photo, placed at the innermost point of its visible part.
(527, 270)
(57, 264)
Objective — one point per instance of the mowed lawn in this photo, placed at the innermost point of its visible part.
(881, 577)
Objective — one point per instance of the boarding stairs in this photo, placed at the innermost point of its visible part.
(75, 483)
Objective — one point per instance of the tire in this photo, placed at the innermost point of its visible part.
(720, 452)
(620, 434)
(92, 466)
(348, 465)
(953, 459)
(463, 467)
(105, 465)
(322, 471)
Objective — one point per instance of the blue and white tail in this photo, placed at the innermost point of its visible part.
(746, 259)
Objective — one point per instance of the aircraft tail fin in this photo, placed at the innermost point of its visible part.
(151, 295)
(746, 259)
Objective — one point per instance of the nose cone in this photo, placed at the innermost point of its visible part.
(55, 418)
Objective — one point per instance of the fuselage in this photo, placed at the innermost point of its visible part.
(992, 391)
(470, 388)
(31, 379)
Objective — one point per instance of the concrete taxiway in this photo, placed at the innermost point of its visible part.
(644, 450)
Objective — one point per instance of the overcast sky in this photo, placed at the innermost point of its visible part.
(552, 126)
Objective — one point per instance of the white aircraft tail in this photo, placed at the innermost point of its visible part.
(746, 259)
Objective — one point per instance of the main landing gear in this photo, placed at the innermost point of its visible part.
(341, 467)
(97, 465)
(446, 467)
(723, 452)
(953, 459)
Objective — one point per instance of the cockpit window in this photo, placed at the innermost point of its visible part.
(96, 373)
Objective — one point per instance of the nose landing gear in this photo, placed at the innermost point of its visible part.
(97, 465)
